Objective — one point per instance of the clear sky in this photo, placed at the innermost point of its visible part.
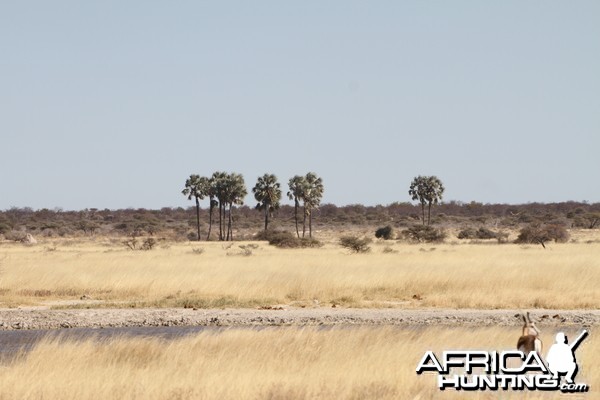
(112, 104)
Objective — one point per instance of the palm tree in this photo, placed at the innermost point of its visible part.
(212, 194)
(427, 190)
(235, 193)
(313, 192)
(196, 187)
(268, 194)
(296, 193)
(219, 188)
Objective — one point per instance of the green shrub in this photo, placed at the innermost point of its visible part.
(355, 244)
(4, 228)
(385, 233)
(15, 236)
(484, 233)
(424, 233)
(542, 233)
(481, 233)
(467, 233)
(284, 239)
(192, 236)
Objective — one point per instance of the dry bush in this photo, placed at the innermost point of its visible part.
(134, 244)
(148, 244)
(481, 233)
(541, 234)
(424, 233)
(355, 244)
(15, 236)
(287, 240)
(4, 228)
(244, 250)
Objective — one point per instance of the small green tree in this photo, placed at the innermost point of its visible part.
(536, 233)
(267, 192)
(355, 244)
(427, 190)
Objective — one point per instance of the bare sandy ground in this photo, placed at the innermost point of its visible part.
(32, 318)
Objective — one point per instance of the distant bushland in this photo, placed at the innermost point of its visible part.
(179, 222)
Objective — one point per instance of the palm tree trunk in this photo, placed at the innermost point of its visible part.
(229, 231)
(310, 225)
(266, 217)
(296, 217)
(210, 218)
(304, 222)
(423, 210)
(429, 214)
(220, 221)
(198, 217)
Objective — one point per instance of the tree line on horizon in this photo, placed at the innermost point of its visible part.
(224, 190)
(181, 222)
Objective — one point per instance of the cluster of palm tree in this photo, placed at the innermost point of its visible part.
(307, 189)
(427, 190)
(226, 190)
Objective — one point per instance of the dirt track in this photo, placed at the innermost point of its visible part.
(12, 319)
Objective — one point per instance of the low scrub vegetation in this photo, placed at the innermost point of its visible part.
(134, 243)
(542, 234)
(424, 233)
(178, 223)
(355, 244)
(287, 240)
(481, 233)
(385, 233)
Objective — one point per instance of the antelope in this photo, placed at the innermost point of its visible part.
(530, 340)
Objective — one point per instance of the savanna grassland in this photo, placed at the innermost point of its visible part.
(204, 275)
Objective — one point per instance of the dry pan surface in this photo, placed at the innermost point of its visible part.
(95, 318)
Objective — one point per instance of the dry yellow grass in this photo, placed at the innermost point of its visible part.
(466, 276)
(280, 363)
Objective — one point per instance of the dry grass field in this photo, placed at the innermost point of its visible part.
(275, 363)
(563, 276)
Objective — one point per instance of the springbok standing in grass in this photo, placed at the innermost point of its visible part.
(530, 340)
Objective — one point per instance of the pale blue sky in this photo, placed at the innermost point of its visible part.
(113, 104)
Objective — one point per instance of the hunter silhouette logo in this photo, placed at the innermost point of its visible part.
(561, 356)
(508, 370)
